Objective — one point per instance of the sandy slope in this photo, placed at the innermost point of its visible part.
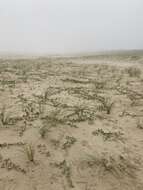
(71, 123)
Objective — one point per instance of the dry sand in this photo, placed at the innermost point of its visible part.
(71, 123)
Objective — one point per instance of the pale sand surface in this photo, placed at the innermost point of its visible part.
(71, 123)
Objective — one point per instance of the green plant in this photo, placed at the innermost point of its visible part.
(43, 130)
(30, 152)
(110, 136)
(106, 104)
(30, 110)
(119, 167)
(4, 116)
(80, 113)
(42, 98)
(69, 142)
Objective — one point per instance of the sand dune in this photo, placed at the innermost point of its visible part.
(71, 123)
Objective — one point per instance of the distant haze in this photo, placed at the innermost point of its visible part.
(70, 26)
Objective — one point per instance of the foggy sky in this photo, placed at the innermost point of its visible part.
(70, 26)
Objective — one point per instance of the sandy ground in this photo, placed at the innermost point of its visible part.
(71, 123)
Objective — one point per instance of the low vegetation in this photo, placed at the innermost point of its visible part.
(71, 123)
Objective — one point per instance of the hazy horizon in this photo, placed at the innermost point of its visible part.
(70, 26)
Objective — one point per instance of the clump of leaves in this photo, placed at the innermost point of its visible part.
(69, 142)
(106, 104)
(109, 136)
(80, 113)
(119, 167)
(71, 124)
(43, 130)
(43, 97)
(30, 110)
(9, 165)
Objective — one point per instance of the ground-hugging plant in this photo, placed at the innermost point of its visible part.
(109, 136)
